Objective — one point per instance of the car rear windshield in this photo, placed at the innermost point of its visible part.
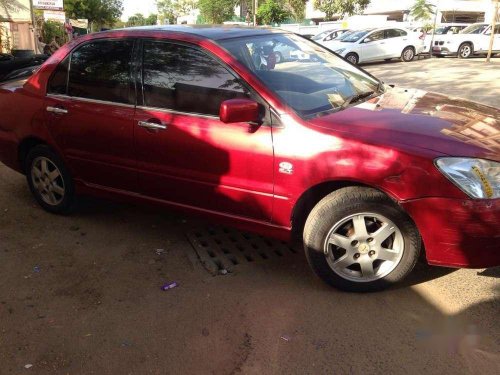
(307, 77)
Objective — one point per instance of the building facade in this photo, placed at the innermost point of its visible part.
(16, 31)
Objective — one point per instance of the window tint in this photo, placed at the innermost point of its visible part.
(187, 80)
(59, 80)
(101, 70)
(378, 35)
(394, 33)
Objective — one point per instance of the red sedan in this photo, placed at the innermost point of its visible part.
(209, 120)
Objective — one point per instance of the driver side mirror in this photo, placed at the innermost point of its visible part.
(239, 110)
(367, 40)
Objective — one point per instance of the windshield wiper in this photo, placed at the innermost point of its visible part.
(355, 98)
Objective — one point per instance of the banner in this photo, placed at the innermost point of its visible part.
(54, 15)
(48, 4)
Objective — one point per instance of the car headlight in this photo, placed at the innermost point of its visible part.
(478, 178)
(339, 51)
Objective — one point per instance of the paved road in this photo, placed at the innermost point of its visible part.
(81, 295)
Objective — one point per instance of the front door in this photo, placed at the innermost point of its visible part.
(90, 113)
(185, 154)
(374, 46)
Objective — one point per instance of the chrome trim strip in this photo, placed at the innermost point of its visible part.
(96, 101)
(174, 112)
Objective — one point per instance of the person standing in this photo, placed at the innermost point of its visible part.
(55, 44)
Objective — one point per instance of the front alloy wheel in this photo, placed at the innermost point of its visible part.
(357, 239)
(465, 51)
(364, 247)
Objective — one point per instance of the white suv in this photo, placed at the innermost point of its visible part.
(378, 44)
(473, 40)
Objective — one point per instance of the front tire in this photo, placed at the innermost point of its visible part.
(358, 240)
(465, 51)
(49, 180)
(352, 58)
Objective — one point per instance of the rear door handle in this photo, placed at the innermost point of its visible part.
(57, 110)
(152, 125)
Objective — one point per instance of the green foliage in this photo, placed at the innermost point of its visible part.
(217, 11)
(98, 12)
(52, 29)
(171, 9)
(152, 19)
(271, 12)
(297, 9)
(422, 10)
(341, 7)
(139, 20)
(166, 11)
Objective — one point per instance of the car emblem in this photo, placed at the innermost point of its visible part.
(286, 167)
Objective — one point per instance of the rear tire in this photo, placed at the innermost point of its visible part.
(380, 245)
(49, 181)
(408, 54)
(352, 57)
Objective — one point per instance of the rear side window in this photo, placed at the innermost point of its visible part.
(394, 33)
(185, 79)
(59, 80)
(101, 70)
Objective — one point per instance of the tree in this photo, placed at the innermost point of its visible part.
(98, 12)
(152, 19)
(341, 7)
(297, 9)
(217, 11)
(166, 11)
(421, 10)
(272, 11)
(136, 20)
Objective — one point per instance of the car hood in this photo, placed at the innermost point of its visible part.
(416, 118)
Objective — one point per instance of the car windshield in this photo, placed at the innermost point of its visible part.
(308, 78)
(354, 36)
(441, 30)
(474, 29)
(321, 35)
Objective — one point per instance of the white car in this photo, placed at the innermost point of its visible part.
(325, 37)
(444, 29)
(378, 44)
(473, 40)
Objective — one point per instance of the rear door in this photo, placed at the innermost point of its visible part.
(90, 112)
(185, 154)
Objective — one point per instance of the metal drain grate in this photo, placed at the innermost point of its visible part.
(221, 249)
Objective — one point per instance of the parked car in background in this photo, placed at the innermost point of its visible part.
(447, 29)
(473, 40)
(326, 36)
(378, 44)
(366, 175)
(9, 63)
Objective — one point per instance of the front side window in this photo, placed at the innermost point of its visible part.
(378, 35)
(185, 79)
(312, 80)
(59, 80)
(101, 70)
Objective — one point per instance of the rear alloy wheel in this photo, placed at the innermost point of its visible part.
(352, 58)
(49, 181)
(464, 51)
(408, 54)
(357, 239)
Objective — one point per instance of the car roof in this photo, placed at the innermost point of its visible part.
(214, 32)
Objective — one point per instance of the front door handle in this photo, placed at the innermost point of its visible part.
(152, 125)
(57, 110)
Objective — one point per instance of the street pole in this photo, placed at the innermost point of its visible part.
(33, 26)
(255, 5)
(492, 35)
(433, 30)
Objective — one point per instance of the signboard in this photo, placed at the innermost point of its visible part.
(54, 15)
(48, 4)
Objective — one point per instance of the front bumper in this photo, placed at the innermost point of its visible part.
(458, 233)
(442, 51)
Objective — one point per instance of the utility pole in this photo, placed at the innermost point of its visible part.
(255, 5)
(433, 29)
(492, 35)
(33, 27)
